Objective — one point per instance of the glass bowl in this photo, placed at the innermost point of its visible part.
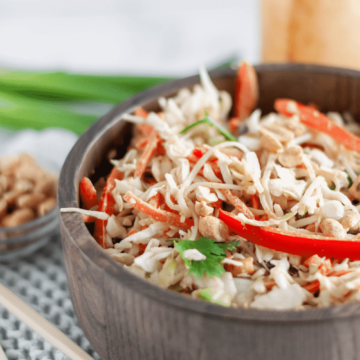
(26, 238)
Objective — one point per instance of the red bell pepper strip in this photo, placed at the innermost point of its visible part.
(87, 194)
(246, 94)
(292, 242)
(106, 204)
(318, 121)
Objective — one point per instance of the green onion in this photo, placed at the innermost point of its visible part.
(38, 100)
(209, 121)
(349, 179)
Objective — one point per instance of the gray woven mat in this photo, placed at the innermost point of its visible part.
(40, 281)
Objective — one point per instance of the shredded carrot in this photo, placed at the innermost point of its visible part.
(315, 286)
(157, 214)
(131, 232)
(147, 154)
(234, 124)
(255, 202)
(160, 149)
(141, 112)
(142, 248)
(106, 204)
(141, 144)
(239, 204)
(155, 201)
(265, 217)
(217, 204)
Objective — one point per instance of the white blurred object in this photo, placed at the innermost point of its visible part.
(137, 37)
(50, 145)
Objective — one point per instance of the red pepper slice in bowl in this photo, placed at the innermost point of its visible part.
(292, 242)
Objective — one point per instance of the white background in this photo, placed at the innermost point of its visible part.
(152, 37)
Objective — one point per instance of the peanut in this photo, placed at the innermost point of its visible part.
(3, 208)
(291, 157)
(270, 143)
(3, 183)
(202, 209)
(18, 217)
(214, 228)
(47, 186)
(30, 200)
(296, 128)
(279, 132)
(46, 206)
(246, 266)
(11, 196)
(354, 191)
(351, 222)
(332, 228)
(23, 186)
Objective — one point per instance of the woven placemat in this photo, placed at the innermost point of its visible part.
(40, 281)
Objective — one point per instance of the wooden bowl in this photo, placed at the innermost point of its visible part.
(126, 317)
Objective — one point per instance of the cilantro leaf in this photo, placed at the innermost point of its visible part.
(214, 252)
(208, 120)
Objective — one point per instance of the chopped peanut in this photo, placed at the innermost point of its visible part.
(279, 132)
(3, 183)
(212, 227)
(18, 217)
(11, 196)
(47, 186)
(291, 157)
(202, 209)
(312, 228)
(333, 228)
(281, 200)
(354, 191)
(295, 127)
(26, 190)
(30, 200)
(3, 208)
(270, 143)
(351, 222)
(23, 186)
(246, 266)
(46, 206)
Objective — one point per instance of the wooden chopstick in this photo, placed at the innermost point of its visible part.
(39, 324)
(2, 354)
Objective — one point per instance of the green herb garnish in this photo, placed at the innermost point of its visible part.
(208, 120)
(349, 179)
(214, 252)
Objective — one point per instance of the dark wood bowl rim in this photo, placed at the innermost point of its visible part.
(69, 180)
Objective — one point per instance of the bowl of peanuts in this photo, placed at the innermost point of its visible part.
(28, 217)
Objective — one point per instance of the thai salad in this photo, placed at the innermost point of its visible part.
(255, 211)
